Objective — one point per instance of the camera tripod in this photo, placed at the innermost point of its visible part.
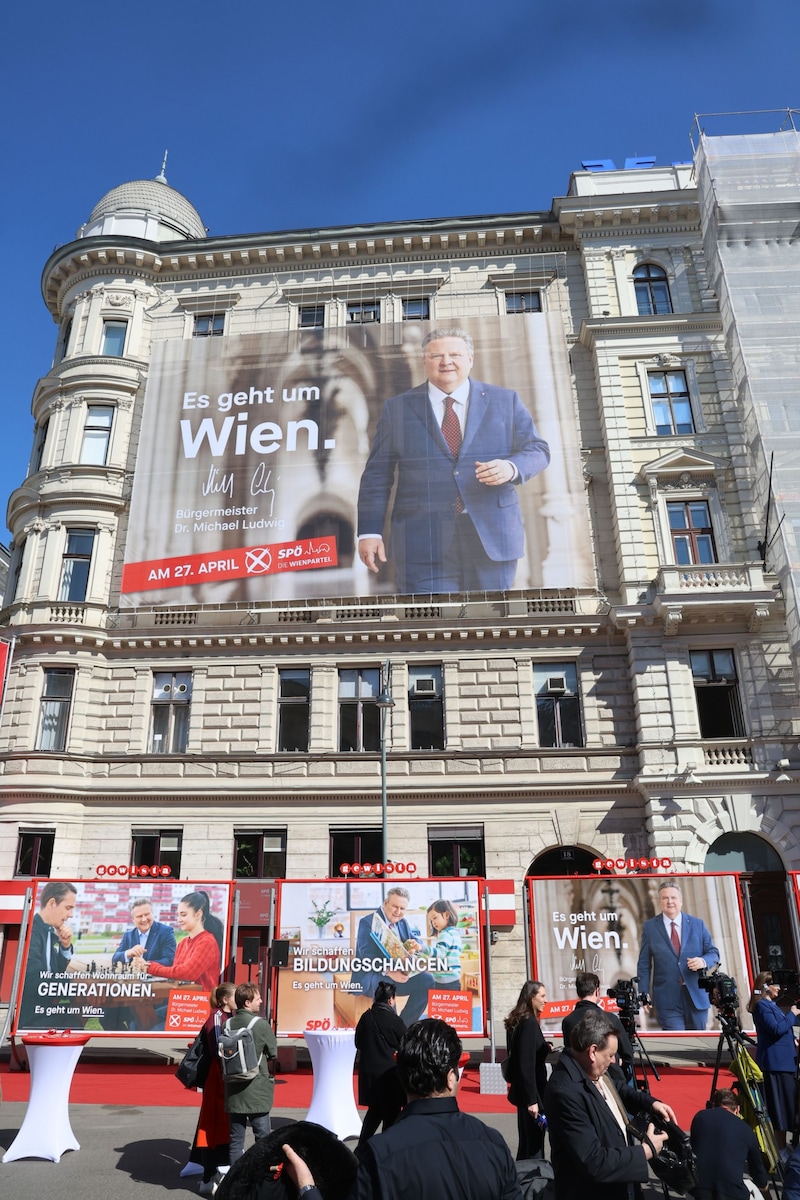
(641, 1059)
(748, 1087)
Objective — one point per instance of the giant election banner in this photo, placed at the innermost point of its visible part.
(346, 935)
(123, 958)
(620, 927)
(263, 457)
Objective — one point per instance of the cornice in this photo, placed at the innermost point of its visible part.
(597, 329)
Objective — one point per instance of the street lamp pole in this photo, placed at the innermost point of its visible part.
(385, 702)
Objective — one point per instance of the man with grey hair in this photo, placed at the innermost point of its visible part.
(587, 1119)
(369, 969)
(674, 948)
(455, 450)
(148, 935)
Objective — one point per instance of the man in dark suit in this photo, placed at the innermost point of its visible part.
(49, 949)
(457, 450)
(414, 985)
(587, 1119)
(674, 948)
(725, 1147)
(148, 939)
(378, 1036)
(587, 985)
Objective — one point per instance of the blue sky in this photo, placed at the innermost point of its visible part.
(281, 116)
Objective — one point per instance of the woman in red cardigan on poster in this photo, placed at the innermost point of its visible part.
(199, 955)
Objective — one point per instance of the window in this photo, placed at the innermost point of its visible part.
(558, 709)
(63, 345)
(75, 565)
(35, 852)
(416, 310)
(692, 535)
(311, 316)
(157, 848)
(172, 695)
(522, 302)
(359, 715)
(456, 850)
(294, 689)
(209, 325)
(54, 715)
(114, 338)
(652, 291)
(425, 708)
(259, 854)
(364, 314)
(355, 846)
(40, 437)
(672, 410)
(97, 434)
(716, 691)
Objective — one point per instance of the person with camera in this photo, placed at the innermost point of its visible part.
(587, 1119)
(725, 1147)
(776, 1052)
(587, 985)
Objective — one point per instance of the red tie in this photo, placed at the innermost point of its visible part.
(673, 937)
(451, 432)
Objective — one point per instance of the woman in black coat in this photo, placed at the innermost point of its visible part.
(378, 1035)
(527, 1075)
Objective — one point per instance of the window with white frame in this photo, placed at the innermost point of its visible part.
(209, 325)
(359, 715)
(417, 309)
(97, 434)
(558, 708)
(75, 565)
(40, 437)
(523, 302)
(652, 290)
(366, 313)
(671, 402)
(169, 717)
(691, 532)
(311, 316)
(113, 344)
(55, 708)
(716, 690)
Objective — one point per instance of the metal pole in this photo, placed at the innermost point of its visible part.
(385, 702)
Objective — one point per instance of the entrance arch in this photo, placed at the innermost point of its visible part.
(565, 860)
(766, 894)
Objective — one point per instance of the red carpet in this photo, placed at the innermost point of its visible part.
(686, 1089)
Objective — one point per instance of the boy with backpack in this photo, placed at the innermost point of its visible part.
(246, 1045)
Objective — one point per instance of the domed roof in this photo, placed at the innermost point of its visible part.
(154, 197)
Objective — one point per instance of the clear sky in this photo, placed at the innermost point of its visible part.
(286, 116)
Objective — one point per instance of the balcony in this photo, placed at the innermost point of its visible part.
(712, 591)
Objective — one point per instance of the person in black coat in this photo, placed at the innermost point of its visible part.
(587, 1119)
(378, 1036)
(587, 985)
(527, 1075)
(725, 1147)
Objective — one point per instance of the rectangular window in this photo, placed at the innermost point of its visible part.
(417, 310)
(294, 710)
(426, 709)
(114, 338)
(259, 854)
(157, 848)
(359, 715)
(311, 316)
(209, 325)
(354, 846)
(35, 852)
(522, 302)
(75, 565)
(692, 535)
(672, 409)
(716, 690)
(172, 695)
(39, 440)
(558, 709)
(96, 434)
(456, 850)
(55, 706)
(364, 314)
(63, 345)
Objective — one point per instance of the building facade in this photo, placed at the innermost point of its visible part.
(648, 710)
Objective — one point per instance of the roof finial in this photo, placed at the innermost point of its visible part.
(161, 177)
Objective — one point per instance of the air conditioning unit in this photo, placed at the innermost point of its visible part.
(556, 684)
(424, 685)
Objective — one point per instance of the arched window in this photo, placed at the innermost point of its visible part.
(652, 290)
(742, 852)
(565, 860)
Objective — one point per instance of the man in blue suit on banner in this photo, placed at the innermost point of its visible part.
(148, 939)
(674, 948)
(456, 451)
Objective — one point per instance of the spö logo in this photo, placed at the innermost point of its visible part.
(258, 560)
